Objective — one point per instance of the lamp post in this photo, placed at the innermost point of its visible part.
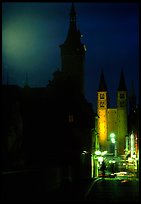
(113, 140)
(95, 146)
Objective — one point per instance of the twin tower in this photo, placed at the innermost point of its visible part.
(112, 122)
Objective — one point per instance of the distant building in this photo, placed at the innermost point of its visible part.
(112, 122)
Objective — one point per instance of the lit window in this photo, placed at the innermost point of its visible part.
(70, 118)
(102, 96)
(101, 103)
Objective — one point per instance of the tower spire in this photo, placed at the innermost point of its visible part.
(73, 15)
(122, 86)
(72, 12)
(73, 54)
(73, 33)
(102, 84)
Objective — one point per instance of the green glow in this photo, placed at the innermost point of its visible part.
(100, 159)
(111, 161)
(16, 39)
(103, 153)
(113, 140)
(98, 152)
(19, 41)
(112, 135)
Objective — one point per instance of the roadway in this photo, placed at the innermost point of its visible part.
(33, 187)
(114, 190)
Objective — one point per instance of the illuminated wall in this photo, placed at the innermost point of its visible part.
(121, 121)
(102, 120)
(112, 121)
(111, 126)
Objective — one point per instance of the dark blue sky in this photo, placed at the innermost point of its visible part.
(32, 33)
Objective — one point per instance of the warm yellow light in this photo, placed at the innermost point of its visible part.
(102, 131)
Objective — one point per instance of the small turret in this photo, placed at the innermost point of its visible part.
(122, 86)
(102, 84)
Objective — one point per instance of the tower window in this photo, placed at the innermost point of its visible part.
(121, 95)
(122, 103)
(101, 103)
(102, 96)
(71, 118)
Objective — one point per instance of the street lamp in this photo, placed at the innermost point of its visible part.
(113, 140)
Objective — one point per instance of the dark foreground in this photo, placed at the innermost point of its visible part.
(36, 187)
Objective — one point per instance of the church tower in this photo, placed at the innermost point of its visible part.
(73, 54)
(121, 115)
(102, 101)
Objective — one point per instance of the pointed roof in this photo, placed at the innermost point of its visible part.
(102, 84)
(74, 35)
(72, 12)
(122, 86)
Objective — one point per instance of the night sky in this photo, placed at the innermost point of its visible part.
(32, 33)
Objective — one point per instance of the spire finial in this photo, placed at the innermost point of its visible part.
(122, 86)
(72, 13)
(102, 84)
(72, 8)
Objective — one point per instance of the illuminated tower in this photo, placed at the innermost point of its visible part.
(121, 115)
(102, 113)
(73, 54)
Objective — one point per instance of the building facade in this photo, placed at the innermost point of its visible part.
(112, 122)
